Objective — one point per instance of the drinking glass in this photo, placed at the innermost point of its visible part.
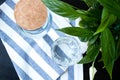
(66, 51)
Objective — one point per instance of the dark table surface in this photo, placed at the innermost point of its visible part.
(1, 1)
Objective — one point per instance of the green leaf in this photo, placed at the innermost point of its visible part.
(88, 22)
(91, 19)
(111, 5)
(92, 52)
(108, 50)
(90, 2)
(93, 39)
(84, 39)
(62, 8)
(118, 49)
(106, 21)
(77, 31)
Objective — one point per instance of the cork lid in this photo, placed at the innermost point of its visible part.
(30, 14)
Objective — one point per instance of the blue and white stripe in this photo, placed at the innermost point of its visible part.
(32, 56)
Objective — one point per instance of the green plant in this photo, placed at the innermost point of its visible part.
(99, 26)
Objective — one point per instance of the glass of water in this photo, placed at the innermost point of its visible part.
(66, 51)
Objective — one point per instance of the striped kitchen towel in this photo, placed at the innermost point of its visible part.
(31, 56)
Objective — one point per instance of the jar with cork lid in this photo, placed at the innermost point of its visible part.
(32, 17)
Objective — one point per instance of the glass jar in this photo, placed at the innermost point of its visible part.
(40, 32)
